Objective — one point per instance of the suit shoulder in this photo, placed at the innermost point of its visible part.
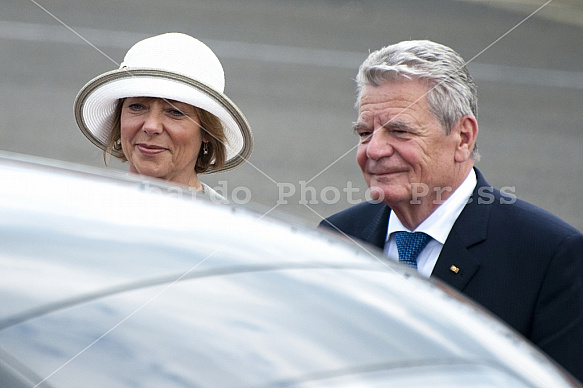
(536, 218)
(357, 211)
(362, 212)
(366, 222)
(507, 212)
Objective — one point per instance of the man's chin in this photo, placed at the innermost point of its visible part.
(377, 194)
(388, 194)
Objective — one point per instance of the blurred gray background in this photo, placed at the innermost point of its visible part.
(290, 67)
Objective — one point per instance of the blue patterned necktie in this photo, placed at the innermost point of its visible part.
(410, 245)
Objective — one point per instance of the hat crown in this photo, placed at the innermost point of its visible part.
(177, 53)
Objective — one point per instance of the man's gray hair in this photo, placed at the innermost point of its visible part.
(452, 93)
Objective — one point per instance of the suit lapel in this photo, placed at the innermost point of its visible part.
(375, 232)
(456, 265)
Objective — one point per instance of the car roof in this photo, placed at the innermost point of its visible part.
(123, 280)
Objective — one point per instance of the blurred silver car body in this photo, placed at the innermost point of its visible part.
(109, 280)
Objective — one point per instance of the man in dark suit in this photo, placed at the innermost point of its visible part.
(417, 125)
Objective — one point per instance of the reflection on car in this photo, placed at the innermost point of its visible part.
(111, 281)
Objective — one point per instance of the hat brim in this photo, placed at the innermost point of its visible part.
(96, 101)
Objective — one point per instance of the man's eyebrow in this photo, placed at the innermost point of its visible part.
(397, 124)
(390, 124)
(356, 126)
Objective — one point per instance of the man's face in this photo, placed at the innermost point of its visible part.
(403, 150)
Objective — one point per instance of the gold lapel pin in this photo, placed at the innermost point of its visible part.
(454, 269)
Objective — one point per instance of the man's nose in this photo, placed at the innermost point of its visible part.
(379, 145)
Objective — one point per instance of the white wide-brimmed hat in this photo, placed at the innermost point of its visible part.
(173, 66)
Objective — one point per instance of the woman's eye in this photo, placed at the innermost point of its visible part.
(177, 112)
(135, 107)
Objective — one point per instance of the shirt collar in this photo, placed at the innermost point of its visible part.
(439, 223)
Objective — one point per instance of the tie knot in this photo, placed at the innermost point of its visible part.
(410, 245)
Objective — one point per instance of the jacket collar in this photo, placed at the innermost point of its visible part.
(376, 231)
(456, 265)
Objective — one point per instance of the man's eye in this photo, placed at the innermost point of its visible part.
(399, 132)
(364, 135)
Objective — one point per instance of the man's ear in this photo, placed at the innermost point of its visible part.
(467, 132)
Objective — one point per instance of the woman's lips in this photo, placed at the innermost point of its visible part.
(150, 150)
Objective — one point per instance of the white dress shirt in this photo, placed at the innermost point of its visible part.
(437, 225)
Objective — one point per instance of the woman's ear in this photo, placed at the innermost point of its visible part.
(467, 131)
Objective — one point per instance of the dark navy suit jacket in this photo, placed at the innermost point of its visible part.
(518, 261)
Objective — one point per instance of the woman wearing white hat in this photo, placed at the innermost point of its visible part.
(164, 112)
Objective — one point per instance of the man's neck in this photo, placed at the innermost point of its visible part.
(413, 212)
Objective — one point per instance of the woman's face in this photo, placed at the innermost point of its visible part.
(161, 138)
